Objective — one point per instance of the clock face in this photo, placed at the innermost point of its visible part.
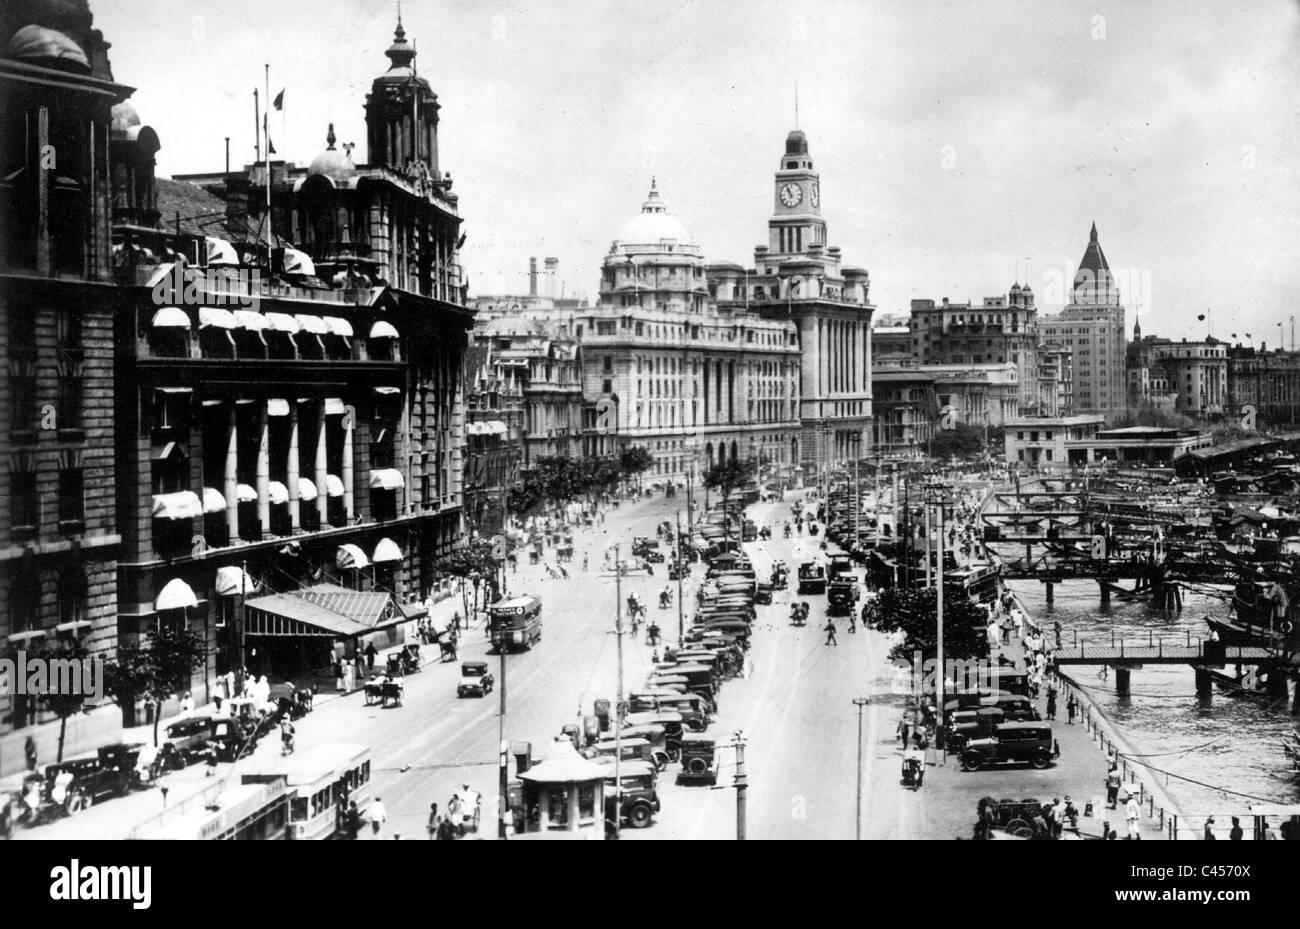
(791, 194)
(814, 196)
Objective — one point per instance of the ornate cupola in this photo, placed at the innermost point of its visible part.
(402, 113)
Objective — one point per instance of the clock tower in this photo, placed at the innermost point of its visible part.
(796, 225)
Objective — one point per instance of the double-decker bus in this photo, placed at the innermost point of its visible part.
(516, 623)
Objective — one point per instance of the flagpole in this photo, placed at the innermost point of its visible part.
(257, 129)
(268, 168)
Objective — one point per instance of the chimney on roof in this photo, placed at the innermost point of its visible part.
(532, 277)
(552, 274)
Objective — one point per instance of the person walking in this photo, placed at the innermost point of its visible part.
(286, 736)
(378, 816)
(1051, 702)
(830, 633)
(1070, 708)
(434, 821)
(29, 751)
(1112, 785)
(1236, 834)
(584, 561)
(1209, 830)
(371, 652)
(1133, 813)
(904, 730)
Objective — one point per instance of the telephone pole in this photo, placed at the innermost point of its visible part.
(738, 740)
(503, 779)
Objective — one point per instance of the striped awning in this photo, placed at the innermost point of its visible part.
(350, 556)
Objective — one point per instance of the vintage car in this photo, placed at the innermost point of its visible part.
(629, 749)
(678, 569)
(1019, 742)
(699, 760)
(812, 578)
(647, 549)
(638, 792)
(475, 679)
(185, 741)
(763, 593)
(91, 781)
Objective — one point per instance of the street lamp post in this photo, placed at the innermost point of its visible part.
(681, 564)
(860, 703)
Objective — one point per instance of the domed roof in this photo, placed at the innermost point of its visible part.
(124, 117)
(332, 163)
(36, 43)
(1015, 288)
(796, 143)
(654, 224)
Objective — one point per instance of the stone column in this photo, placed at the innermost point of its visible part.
(264, 468)
(348, 498)
(322, 490)
(232, 474)
(291, 468)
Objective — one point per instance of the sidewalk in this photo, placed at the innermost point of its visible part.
(953, 795)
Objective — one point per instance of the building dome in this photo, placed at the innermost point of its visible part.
(796, 143)
(48, 47)
(332, 163)
(124, 117)
(654, 224)
(1015, 288)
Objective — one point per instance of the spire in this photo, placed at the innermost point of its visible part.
(400, 53)
(330, 139)
(1137, 330)
(1093, 237)
(653, 203)
(1093, 282)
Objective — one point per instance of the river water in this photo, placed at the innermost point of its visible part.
(1230, 742)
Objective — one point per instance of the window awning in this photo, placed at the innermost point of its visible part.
(234, 581)
(277, 407)
(386, 550)
(277, 492)
(247, 494)
(333, 406)
(326, 610)
(213, 500)
(383, 330)
(171, 317)
(313, 324)
(388, 391)
(338, 326)
(350, 556)
(250, 320)
(296, 262)
(306, 489)
(473, 428)
(495, 427)
(182, 505)
(220, 253)
(216, 316)
(174, 390)
(176, 595)
(386, 479)
(333, 486)
(282, 322)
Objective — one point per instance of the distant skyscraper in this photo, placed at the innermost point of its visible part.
(1092, 327)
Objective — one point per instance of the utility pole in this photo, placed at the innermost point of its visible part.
(618, 706)
(939, 615)
(681, 564)
(503, 785)
(741, 785)
(860, 703)
(929, 578)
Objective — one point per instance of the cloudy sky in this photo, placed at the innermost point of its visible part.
(960, 144)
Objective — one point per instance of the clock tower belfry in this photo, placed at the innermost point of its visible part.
(796, 226)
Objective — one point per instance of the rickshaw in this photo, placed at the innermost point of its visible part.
(405, 661)
(374, 690)
(394, 691)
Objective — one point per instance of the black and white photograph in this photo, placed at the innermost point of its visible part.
(517, 420)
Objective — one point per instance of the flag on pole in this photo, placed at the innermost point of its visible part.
(279, 100)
